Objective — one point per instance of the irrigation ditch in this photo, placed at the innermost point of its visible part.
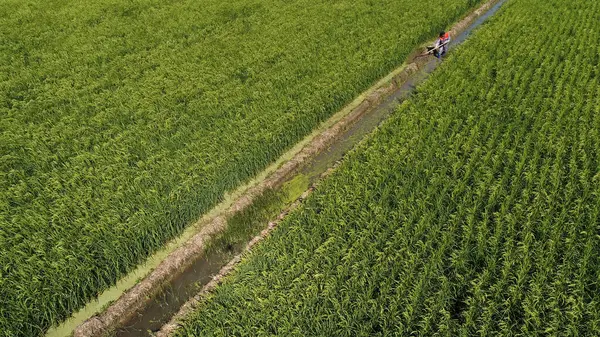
(154, 298)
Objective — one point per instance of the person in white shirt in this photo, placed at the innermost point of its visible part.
(441, 45)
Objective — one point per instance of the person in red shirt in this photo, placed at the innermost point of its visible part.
(441, 45)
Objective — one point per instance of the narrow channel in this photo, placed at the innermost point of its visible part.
(163, 306)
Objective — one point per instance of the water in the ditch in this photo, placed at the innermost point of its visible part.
(163, 306)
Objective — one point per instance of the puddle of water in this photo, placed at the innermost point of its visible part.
(163, 306)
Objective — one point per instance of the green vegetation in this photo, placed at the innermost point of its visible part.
(123, 121)
(249, 222)
(243, 226)
(475, 210)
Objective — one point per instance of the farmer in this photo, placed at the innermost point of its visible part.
(441, 45)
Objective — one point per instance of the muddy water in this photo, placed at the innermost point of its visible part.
(163, 306)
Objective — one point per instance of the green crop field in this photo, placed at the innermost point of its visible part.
(123, 121)
(474, 211)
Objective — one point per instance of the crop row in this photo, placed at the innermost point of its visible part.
(122, 122)
(475, 210)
